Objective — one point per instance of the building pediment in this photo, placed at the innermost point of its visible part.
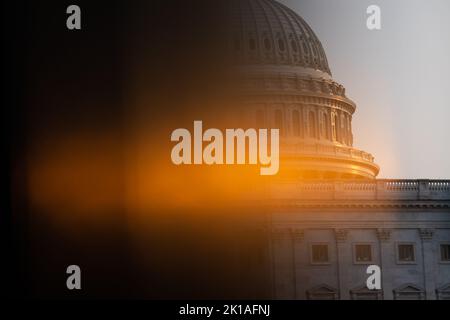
(443, 292)
(363, 289)
(409, 288)
(409, 292)
(322, 291)
(364, 293)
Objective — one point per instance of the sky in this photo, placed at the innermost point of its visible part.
(398, 77)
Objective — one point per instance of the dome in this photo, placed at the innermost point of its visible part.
(258, 64)
(267, 32)
(287, 84)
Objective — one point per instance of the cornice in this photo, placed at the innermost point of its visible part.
(358, 204)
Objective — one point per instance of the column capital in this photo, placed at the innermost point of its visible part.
(279, 233)
(426, 234)
(384, 234)
(297, 234)
(341, 234)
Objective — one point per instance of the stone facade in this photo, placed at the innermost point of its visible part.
(384, 216)
(330, 217)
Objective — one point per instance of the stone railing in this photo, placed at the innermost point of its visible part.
(364, 190)
(327, 150)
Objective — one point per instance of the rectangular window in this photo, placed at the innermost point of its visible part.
(406, 253)
(445, 252)
(363, 253)
(319, 254)
(279, 121)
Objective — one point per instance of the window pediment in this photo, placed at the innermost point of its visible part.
(443, 293)
(409, 292)
(322, 292)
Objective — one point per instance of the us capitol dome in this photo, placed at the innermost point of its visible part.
(331, 218)
(288, 85)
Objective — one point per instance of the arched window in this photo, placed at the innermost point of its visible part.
(347, 136)
(323, 127)
(260, 119)
(312, 124)
(333, 126)
(349, 131)
(296, 123)
(327, 125)
(279, 121)
(343, 134)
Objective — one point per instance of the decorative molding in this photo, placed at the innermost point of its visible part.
(358, 204)
(426, 234)
(376, 194)
(443, 292)
(409, 290)
(384, 234)
(279, 233)
(314, 224)
(341, 235)
(362, 292)
(322, 291)
(295, 96)
(297, 234)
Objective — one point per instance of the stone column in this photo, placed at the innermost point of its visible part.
(424, 189)
(386, 255)
(344, 255)
(429, 262)
(298, 254)
(282, 264)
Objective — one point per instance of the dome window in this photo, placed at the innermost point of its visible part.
(281, 45)
(267, 44)
(305, 48)
(252, 44)
(294, 46)
(324, 126)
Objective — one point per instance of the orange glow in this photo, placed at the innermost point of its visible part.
(92, 176)
(76, 175)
